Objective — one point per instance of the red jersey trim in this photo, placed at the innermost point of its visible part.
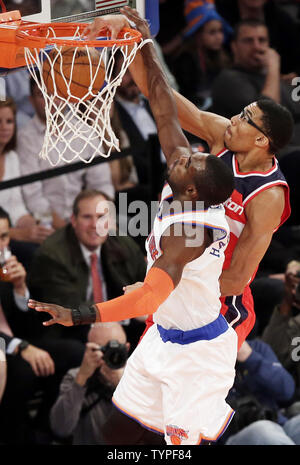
(287, 207)
(237, 172)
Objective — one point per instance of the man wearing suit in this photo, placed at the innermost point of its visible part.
(31, 364)
(64, 270)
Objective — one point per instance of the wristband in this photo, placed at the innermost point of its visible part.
(84, 315)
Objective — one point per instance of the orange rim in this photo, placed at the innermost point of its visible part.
(34, 35)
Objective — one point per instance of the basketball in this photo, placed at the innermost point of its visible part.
(73, 71)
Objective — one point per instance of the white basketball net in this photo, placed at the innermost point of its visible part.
(80, 130)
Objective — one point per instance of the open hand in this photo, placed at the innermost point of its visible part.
(60, 315)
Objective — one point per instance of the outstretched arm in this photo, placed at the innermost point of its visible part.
(158, 285)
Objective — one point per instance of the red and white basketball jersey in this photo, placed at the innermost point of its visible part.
(195, 302)
(239, 310)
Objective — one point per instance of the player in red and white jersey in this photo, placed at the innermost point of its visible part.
(239, 309)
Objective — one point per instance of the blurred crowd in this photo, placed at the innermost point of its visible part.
(55, 383)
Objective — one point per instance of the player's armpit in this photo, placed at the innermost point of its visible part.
(264, 214)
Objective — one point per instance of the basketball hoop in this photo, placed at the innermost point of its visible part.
(76, 121)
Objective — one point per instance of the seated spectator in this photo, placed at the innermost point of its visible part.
(255, 74)
(283, 28)
(53, 197)
(202, 56)
(23, 225)
(17, 87)
(84, 401)
(124, 175)
(31, 364)
(262, 387)
(76, 265)
(282, 332)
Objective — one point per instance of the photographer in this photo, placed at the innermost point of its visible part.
(284, 324)
(84, 401)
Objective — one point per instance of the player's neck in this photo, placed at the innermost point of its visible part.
(248, 162)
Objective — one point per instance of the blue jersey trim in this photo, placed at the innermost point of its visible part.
(206, 333)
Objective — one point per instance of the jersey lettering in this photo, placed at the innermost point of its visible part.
(233, 206)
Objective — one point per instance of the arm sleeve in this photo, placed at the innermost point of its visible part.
(157, 286)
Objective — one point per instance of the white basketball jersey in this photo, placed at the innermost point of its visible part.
(195, 302)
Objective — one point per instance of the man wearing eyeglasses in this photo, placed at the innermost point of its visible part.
(259, 205)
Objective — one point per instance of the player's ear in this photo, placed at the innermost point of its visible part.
(262, 141)
(191, 191)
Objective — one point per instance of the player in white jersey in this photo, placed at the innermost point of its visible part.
(177, 379)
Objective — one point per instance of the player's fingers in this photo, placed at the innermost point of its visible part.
(130, 13)
(51, 322)
(40, 306)
(93, 29)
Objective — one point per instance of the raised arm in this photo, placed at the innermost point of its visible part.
(161, 98)
(205, 125)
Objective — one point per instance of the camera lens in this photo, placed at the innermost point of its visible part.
(115, 354)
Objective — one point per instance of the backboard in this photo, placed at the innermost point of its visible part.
(47, 11)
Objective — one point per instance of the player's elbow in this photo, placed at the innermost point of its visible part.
(233, 286)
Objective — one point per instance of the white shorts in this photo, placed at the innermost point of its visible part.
(179, 390)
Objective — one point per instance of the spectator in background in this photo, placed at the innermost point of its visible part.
(123, 170)
(136, 119)
(255, 74)
(283, 29)
(17, 87)
(283, 331)
(262, 386)
(51, 200)
(77, 265)
(31, 365)
(84, 401)
(202, 56)
(23, 225)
